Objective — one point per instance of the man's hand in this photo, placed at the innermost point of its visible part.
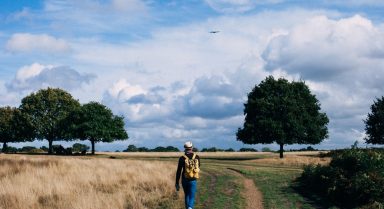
(177, 187)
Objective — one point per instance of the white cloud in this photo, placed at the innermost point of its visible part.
(25, 42)
(36, 76)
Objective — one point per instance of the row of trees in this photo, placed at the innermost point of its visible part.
(283, 112)
(53, 114)
(133, 148)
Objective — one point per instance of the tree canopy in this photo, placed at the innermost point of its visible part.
(95, 122)
(13, 126)
(47, 109)
(282, 112)
(374, 124)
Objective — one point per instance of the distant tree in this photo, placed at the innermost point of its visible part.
(282, 112)
(77, 147)
(247, 150)
(142, 149)
(131, 148)
(47, 110)
(44, 148)
(195, 149)
(11, 149)
(96, 123)
(172, 149)
(27, 148)
(58, 149)
(374, 124)
(212, 149)
(14, 127)
(266, 149)
(229, 150)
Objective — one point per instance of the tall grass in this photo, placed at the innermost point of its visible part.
(33, 182)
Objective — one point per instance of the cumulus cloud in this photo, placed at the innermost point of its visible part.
(38, 76)
(25, 42)
(323, 49)
(212, 97)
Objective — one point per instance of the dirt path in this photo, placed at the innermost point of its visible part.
(252, 195)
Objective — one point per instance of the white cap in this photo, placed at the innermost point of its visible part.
(188, 145)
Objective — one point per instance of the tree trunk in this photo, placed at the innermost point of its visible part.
(281, 150)
(4, 147)
(93, 146)
(50, 151)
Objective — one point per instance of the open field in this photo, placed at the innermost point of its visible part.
(28, 181)
(146, 180)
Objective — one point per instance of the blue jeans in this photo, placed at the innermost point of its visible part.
(189, 188)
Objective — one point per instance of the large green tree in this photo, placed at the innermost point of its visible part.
(14, 127)
(96, 123)
(47, 109)
(374, 124)
(282, 112)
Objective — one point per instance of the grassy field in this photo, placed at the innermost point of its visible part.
(146, 180)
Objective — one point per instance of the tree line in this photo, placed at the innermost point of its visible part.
(52, 114)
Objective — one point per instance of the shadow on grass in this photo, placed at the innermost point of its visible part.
(315, 200)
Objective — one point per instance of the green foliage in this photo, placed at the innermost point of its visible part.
(77, 147)
(44, 148)
(142, 149)
(14, 127)
(47, 110)
(133, 148)
(266, 149)
(95, 122)
(282, 112)
(10, 149)
(212, 149)
(165, 149)
(374, 124)
(354, 178)
(247, 150)
(27, 149)
(309, 148)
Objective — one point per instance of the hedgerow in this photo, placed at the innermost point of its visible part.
(354, 178)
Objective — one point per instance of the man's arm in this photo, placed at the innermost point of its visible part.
(179, 169)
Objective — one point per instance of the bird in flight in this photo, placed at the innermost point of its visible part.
(214, 31)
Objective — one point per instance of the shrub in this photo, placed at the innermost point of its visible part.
(36, 151)
(266, 149)
(212, 149)
(44, 148)
(131, 148)
(27, 149)
(354, 178)
(77, 147)
(10, 149)
(247, 150)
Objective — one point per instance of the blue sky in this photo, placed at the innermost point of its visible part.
(155, 62)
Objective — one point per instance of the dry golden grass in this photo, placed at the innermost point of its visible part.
(297, 160)
(42, 182)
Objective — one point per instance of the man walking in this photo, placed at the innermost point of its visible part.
(189, 167)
